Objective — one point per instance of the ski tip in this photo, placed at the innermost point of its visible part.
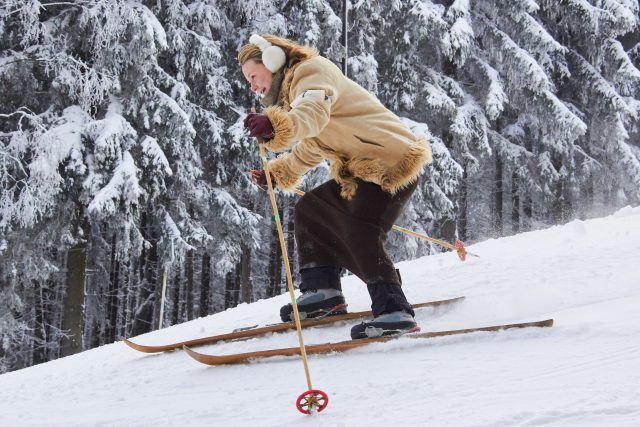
(193, 354)
(202, 358)
(132, 344)
(144, 348)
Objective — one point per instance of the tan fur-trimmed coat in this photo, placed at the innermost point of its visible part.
(325, 115)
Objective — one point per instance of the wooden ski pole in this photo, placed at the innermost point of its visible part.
(287, 266)
(311, 397)
(458, 246)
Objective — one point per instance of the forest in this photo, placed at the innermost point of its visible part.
(124, 158)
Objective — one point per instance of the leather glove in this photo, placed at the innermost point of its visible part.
(259, 178)
(259, 126)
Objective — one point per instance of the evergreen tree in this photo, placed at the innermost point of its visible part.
(603, 88)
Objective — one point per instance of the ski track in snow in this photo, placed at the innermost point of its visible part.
(583, 372)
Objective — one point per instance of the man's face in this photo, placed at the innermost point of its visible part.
(258, 76)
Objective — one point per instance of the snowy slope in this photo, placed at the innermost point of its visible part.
(585, 371)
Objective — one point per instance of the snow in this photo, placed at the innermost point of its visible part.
(584, 371)
(496, 97)
(123, 184)
(155, 155)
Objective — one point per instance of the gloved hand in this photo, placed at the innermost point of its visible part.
(259, 126)
(259, 178)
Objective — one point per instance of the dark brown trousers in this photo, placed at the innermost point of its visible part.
(332, 231)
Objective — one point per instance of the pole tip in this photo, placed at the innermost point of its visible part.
(462, 252)
(312, 401)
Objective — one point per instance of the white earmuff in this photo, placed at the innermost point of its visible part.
(273, 57)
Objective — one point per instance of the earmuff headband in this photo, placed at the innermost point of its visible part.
(273, 57)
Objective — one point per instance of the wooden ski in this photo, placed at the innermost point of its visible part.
(347, 345)
(278, 327)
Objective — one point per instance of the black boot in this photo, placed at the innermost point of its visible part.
(321, 294)
(387, 298)
(395, 323)
(392, 313)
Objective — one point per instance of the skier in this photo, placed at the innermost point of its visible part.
(314, 113)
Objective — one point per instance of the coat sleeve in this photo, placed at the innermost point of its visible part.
(312, 94)
(288, 168)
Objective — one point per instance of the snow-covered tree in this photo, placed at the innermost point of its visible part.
(603, 88)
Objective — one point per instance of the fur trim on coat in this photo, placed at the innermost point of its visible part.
(391, 179)
(335, 119)
(282, 129)
(283, 176)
